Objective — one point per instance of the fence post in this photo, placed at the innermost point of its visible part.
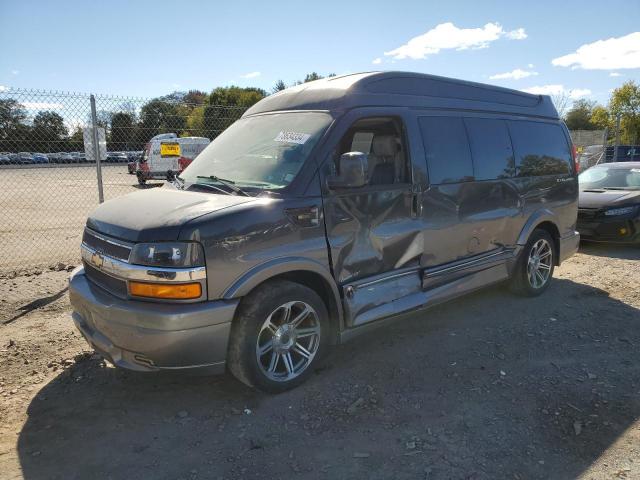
(96, 146)
(615, 147)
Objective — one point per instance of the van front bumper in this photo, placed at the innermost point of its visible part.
(148, 336)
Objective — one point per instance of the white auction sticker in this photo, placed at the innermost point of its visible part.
(292, 137)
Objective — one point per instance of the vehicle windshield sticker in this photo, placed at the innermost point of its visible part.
(635, 170)
(292, 137)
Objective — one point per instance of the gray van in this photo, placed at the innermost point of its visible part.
(328, 209)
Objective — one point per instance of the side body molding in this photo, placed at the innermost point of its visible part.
(277, 266)
(536, 218)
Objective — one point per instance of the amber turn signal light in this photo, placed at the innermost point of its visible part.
(180, 291)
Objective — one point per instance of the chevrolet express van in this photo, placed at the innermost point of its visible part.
(328, 209)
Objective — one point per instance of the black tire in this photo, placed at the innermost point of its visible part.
(521, 281)
(141, 179)
(255, 308)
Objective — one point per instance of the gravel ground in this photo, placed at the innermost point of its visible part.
(490, 386)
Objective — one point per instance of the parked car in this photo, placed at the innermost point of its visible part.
(117, 157)
(328, 209)
(609, 204)
(25, 158)
(78, 157)
(4, 159)
(65, 157)
(131, 167)
(40, 158)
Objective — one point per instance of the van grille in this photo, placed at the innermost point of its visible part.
(111, 248)
(111, 284)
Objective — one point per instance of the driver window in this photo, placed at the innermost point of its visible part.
(382, 140)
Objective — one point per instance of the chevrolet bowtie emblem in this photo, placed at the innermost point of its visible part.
(97, 260)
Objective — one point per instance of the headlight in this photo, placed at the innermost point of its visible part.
(619, 211)
(168, 254)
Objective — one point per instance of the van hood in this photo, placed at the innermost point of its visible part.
(156, 214)
(597, 198)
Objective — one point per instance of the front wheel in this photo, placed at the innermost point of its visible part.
(535, 266)
(280, 333)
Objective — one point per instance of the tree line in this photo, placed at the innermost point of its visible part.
(192, 113)
(196, 113)
(624, 102)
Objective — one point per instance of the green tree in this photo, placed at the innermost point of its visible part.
(226, 105)
(48, 132)
(279, 86)
(159, 116)
(76, 141)
(195, 97)
(600, 117)
(122, 132)
(579, 116)
(625, 101)
(12, 117)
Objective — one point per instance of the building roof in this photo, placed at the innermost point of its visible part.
(414, 90)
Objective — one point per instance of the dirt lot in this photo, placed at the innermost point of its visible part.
(43, 210)
(488, 387)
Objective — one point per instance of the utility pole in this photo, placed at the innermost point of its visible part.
(615, 147)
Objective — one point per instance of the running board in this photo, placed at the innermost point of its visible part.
(384, 313)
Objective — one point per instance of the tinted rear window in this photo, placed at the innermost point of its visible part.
(540, 148)
(490, 147)
(447, 149)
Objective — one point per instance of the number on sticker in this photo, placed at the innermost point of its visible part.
(292, 137)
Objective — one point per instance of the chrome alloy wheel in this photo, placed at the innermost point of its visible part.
(539, 263)
(288, 341)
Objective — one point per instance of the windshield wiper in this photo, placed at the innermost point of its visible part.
(230, 184)
(212, 187)
(614, 188)
(179, 181)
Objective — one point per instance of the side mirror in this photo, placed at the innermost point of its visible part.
(354, 171)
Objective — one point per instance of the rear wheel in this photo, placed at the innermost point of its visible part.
(535, 266)
(280, 333)
(141, 179)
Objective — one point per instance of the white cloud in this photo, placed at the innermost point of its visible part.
(557, 89)
(41, 105)
(518, 34)
(377, 61)
(251, 75)
(516, 74)
(446, 36)
(577, 93)
(3, 88)
(545, 90)
(615, 74)
(530, 65)
(15, 72)
(613, 53)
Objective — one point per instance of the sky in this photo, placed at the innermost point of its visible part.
(151, 48)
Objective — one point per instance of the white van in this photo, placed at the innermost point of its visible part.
(166, 155)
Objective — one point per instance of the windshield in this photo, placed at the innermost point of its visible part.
(610, 178)
(264, 152)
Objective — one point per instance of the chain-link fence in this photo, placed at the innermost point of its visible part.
(47, 184)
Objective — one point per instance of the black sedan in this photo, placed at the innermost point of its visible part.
(609, 205)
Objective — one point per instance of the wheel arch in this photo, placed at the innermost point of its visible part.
(545, 220)
(300, 270)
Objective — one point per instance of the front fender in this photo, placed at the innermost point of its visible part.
(278, 266)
